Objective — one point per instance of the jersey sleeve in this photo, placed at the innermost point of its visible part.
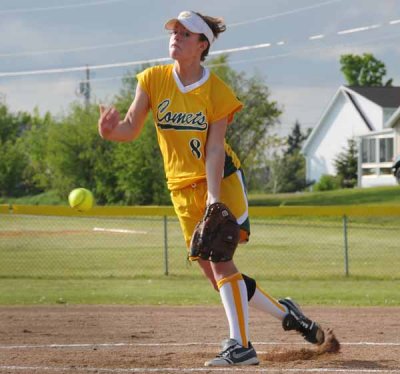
(224, 102)
(144, 80)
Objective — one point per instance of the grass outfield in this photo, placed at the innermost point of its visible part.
(45, 260)
(375, 195)
(356, 196)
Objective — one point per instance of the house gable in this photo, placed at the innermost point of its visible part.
(385, 97)
(340, 93)
(394, 120)
(361, 112)
(340, 122)
(374, 108)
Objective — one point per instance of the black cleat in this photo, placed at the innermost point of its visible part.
(296, 320)
(234, 354)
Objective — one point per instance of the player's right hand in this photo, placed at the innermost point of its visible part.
(108, 121)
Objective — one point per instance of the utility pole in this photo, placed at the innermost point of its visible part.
(84, 88)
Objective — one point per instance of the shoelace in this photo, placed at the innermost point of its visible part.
(226, 351)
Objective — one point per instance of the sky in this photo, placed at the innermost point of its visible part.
(292, 46)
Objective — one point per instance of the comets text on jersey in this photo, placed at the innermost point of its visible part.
(179, 121)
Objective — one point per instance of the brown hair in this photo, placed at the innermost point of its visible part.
(217, 25)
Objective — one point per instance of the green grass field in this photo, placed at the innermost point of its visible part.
(376, 195)
(46, 260)
(356, 196)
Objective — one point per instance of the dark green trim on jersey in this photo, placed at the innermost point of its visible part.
(244, 180)
(229, 167)
(169, 126)
(246, 225)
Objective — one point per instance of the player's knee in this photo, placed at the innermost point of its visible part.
(213, 282)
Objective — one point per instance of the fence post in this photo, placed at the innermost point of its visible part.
(346, 247)
(165, 246)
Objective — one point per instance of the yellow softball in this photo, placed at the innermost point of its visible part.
(81, 199)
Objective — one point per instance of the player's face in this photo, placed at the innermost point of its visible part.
(184, 44)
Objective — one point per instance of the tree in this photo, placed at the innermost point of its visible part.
(248, 133)
(139, 170)
(363, 70)
(12, 125)
(267, 178)
(290, 167)
(296, 139)
(12, 166)
(13, 160)
(35, 140)
(74, 150)
(346, 164)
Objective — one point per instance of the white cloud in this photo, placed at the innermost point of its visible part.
(46, 95)
(331, 48)
(303, 103)
(361, 13)
(17, 36)
(333, 52)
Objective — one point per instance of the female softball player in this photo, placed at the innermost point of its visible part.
(192, 108)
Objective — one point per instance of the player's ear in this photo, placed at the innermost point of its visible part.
(203, 45)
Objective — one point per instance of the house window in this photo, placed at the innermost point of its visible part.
(385, 149)
(377, 155)
(368, 147)
(369, 171)
(385, 171)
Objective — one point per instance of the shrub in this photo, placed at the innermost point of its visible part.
(328, 183)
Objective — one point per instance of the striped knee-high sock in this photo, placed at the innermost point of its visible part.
(261, 300)
(233, 294)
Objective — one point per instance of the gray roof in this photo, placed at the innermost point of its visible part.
(386, 97)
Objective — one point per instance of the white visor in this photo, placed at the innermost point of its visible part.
(193, 22)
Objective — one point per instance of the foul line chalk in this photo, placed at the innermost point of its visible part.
(121, 231)
(191, 370)
(94, 345)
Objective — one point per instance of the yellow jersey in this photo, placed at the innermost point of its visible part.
(182, 116)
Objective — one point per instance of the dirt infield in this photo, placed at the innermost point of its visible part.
(158, 339)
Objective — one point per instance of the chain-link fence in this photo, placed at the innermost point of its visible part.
(285, 242)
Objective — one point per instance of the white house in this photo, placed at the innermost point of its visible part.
(369, 115)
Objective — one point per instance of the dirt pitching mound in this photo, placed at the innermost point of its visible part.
(329, 346)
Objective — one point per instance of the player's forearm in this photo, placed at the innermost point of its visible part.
(130, 128)
(123, 132)
(215, 159)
